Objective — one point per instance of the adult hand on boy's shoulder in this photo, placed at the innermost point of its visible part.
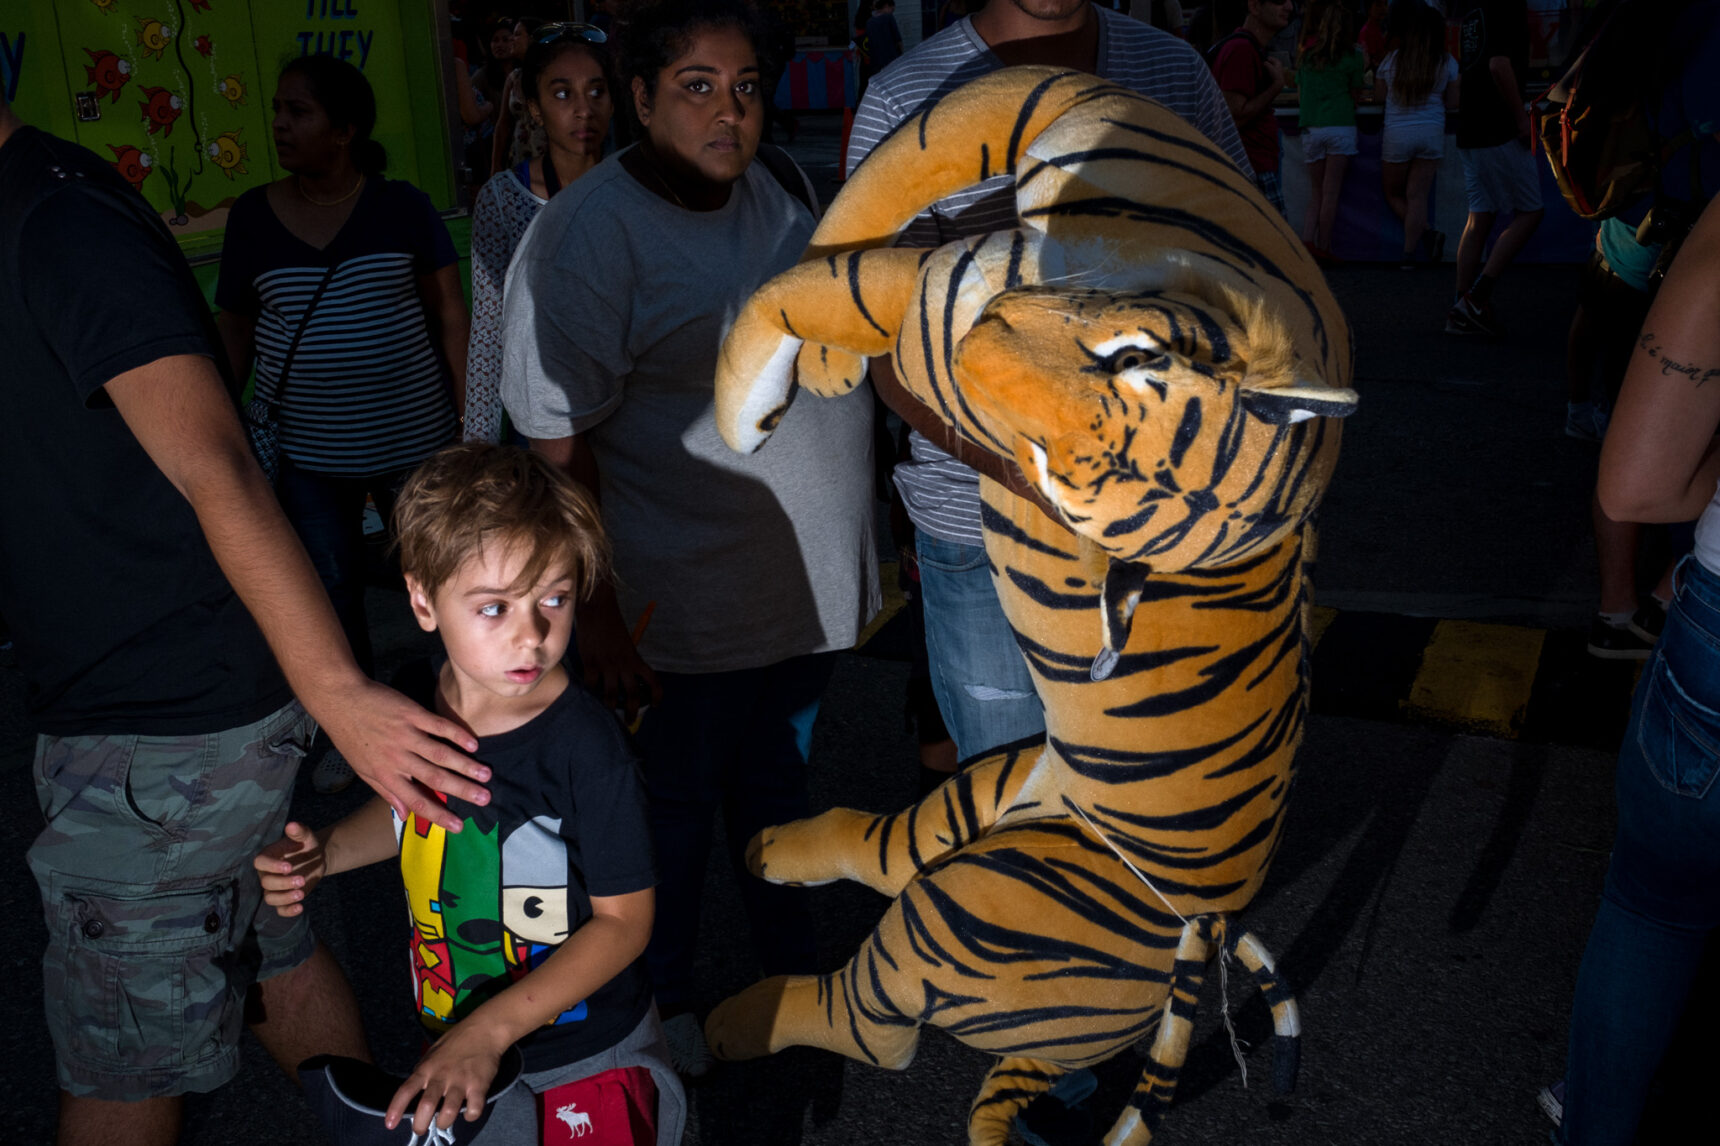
(458, 1068)
(403, 751)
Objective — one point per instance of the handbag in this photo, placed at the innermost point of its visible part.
(615, 1108)
(261, 416)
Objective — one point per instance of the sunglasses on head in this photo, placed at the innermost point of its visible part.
(568, 30)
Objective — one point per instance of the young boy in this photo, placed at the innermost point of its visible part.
(553, 875)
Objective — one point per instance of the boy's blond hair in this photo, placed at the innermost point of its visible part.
(467, 495)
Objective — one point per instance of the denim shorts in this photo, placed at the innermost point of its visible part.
(156, 925)
(1502, 178)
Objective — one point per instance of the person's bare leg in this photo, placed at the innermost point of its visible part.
(1663, 587)
(1311, 217)
(99, 1122)
(1419, 187)
(308, 1011)
(1511, 242)
(1330, 191)
(1470, 247)
(1615, 553)
(1393, 178)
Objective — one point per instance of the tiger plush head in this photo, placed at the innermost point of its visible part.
(1161, 424)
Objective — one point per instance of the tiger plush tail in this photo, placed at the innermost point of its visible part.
(1202, 936)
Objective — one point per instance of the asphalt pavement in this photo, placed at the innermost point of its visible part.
(1429, 902)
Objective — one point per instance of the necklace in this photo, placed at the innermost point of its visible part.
(299, 185)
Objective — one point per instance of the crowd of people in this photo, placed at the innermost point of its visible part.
(615, 668)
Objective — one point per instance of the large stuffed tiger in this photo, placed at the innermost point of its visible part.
(1157, 353)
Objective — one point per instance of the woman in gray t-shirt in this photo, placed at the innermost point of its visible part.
(737, 577)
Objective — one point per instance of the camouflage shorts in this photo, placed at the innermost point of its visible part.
(156, 926)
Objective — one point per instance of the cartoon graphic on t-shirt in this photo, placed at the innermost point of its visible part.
(488, 904)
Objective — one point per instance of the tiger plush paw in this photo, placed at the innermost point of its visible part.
(816, 851)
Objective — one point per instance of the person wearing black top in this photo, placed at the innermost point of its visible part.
(148, 574)
(1499, 168)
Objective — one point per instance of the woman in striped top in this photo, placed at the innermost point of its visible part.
(380, 363)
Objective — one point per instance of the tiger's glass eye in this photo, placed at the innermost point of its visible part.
(1136, 358)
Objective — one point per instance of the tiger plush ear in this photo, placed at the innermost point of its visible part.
(1287, 405)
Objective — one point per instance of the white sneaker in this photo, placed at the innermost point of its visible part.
(687, 1049)
(332, 773)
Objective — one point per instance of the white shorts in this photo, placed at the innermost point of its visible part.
(1400, 143)
(1319, 142)
(1502, 178)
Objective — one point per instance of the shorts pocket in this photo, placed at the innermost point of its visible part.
(1678, 736)
(141, 980)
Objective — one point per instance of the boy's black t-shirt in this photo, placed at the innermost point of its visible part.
(123, 621)
(566, 821)
(1490, 28)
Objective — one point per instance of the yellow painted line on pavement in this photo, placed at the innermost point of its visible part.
(893, 602)
(1478, 676)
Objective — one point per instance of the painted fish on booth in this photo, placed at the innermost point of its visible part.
(108, 73)
(229, 154)
(203, 46)
(105, 5)
(160, 110)
(132, 164)
(152, 36)
(200, 5)
(232, 89)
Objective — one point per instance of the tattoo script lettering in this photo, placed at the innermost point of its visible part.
(1696, 372)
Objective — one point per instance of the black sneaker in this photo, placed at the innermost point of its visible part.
(1648, 621)
(1616, 642)
(1470, 317)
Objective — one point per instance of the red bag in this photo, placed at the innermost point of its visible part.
(615, 1108)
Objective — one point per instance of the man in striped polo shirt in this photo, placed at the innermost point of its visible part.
(982, 684)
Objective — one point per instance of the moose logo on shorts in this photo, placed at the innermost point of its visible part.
(578, 1122)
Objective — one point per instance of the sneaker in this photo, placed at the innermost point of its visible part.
(1468, 317)
(1616, 642)
(687, 1049)
(1551, 1100)
(332, 773)
(1648, 621)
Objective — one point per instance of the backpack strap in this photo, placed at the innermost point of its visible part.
(787, 174)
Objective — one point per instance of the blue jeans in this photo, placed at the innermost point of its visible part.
(327, 511)
(978, 673)
(1662, 893)
(738, 741)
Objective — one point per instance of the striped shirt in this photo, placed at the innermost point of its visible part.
(367, 391)
(940, 493)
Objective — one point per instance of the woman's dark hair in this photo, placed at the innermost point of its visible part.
(345, 97)
(539, 56)
(662, 31)
(1420, 57)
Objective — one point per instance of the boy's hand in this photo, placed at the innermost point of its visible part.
(290, 867)
(458, 1068)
